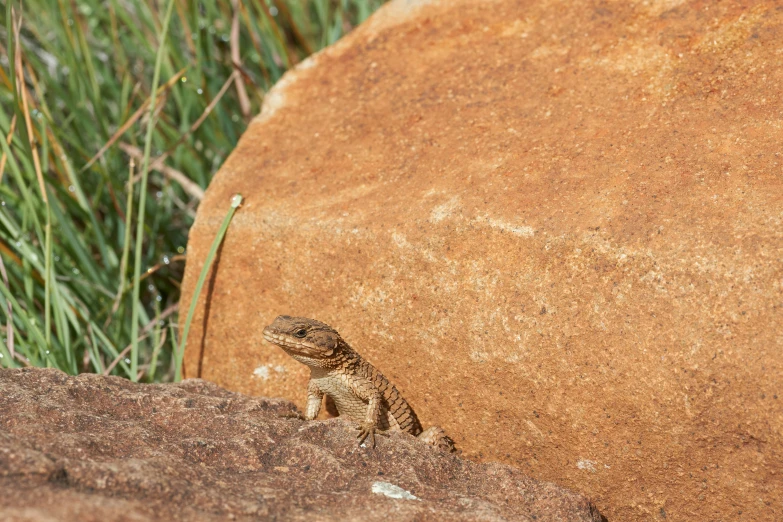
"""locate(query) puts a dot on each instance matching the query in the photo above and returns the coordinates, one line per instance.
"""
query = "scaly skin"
(360, 392)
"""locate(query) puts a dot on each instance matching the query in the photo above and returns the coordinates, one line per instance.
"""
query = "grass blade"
(143, 196)
(235, 202)
(81, 90)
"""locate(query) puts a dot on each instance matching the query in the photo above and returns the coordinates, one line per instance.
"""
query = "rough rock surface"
(94, 448)
(556, 226)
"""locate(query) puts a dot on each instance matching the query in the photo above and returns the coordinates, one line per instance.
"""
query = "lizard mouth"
(280, 339)
(273, 337)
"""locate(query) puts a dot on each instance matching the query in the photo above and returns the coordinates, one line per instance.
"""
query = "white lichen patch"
(519, 27)
(263, 371)
(441, 212)
(504, 226)
(519, 230)
(585, 464)
(275, 97)
(537, 432)
(392, 491)
(658, 7)
(369, 297)
(400, 240)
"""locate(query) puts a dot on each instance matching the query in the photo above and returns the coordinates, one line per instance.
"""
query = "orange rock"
(555, 226)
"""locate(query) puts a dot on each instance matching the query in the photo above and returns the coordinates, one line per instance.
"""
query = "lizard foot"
(368, 430)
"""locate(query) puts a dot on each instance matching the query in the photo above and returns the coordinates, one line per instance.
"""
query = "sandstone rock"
(555, 226)
(94, 448)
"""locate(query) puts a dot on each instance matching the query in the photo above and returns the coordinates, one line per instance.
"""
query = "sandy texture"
(94, 448)
(557, 227)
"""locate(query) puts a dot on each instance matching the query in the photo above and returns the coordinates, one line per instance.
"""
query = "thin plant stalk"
(235, 202)
(160, 340)
(126, 243)
(174, 345)
(143, 196)
(10, 317)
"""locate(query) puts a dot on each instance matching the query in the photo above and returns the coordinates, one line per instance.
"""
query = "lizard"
(360, 392)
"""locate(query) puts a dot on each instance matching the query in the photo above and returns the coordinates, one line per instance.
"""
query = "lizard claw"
(366, 430)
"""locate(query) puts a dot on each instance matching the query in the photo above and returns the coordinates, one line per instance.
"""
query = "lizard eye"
(301, 333)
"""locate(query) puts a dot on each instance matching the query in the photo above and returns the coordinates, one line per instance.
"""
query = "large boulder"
(556, 226)
(95, 448)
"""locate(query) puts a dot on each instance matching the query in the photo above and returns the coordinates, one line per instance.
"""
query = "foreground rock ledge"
(102, 448)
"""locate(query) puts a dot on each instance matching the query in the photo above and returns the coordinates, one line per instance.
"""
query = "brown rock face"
(92, 448)
(556, 226)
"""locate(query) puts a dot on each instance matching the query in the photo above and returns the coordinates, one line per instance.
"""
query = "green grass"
(113, 122)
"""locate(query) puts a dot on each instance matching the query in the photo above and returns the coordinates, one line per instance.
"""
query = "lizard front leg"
(314, 399)
(370, 423)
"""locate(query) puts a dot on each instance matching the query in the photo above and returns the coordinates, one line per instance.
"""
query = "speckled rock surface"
(556, 226)
(94, 448)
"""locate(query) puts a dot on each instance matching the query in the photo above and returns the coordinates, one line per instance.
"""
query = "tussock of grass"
(92, 140)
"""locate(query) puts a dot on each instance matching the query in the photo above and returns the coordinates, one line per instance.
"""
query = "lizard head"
(308, 341)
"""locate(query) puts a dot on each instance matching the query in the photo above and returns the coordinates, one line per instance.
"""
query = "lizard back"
(396, 405)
